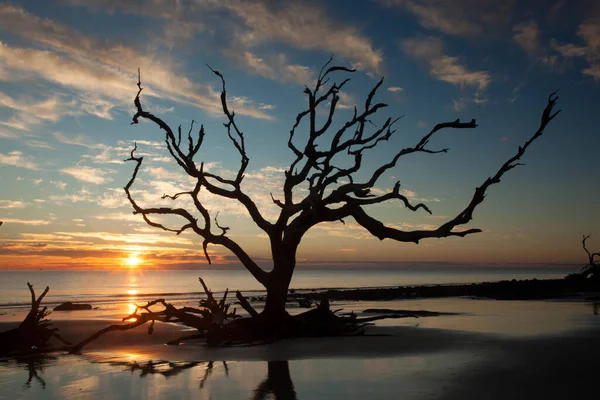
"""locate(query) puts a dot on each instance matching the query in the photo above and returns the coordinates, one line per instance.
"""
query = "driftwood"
(208, 319)
(34, 333)
(219, 327)
(592, 268)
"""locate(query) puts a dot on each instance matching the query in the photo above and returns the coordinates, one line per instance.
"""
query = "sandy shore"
(408, 362)
(381, 341)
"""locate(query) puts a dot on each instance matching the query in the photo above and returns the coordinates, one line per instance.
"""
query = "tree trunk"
(276, 298)
(274, 313)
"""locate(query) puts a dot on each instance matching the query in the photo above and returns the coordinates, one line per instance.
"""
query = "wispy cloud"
(395, 89)
(589, 50)
(13, 204)
(30, 112)
(77, 140)
(59, 184)
(466, 18)
(527, 36)
(274, 66)
(120, 217)
(443, 67)
(246, 25)
(17, 159)
(34, 222)
(93, 175)
(40, 144)
(101, 73)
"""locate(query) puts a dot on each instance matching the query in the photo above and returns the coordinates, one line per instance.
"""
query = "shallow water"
(105, 288)
(492, 349)
(122, 377)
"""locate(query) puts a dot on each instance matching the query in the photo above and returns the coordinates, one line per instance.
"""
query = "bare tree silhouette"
(333, 191)
(592, 268)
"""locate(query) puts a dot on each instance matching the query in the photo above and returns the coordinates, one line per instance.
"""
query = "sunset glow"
(133, 261)
(68, 75)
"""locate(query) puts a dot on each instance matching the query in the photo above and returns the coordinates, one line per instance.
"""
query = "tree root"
(34, 333)
(219, 327)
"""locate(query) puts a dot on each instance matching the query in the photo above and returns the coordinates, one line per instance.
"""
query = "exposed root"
(34, 333)
(219, 327)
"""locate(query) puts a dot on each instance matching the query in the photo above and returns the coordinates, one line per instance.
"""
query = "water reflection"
(34, 365)
(278, 382)
(418, 365)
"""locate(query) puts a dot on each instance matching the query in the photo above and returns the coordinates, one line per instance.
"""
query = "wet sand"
(410, 362)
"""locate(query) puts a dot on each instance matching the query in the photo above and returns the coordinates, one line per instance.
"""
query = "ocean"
(102, 288)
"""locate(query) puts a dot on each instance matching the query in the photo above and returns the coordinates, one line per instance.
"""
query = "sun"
(133, 261)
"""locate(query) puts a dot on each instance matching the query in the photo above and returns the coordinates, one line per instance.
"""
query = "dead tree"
(34, 333)
(334, 193)
(592, 268)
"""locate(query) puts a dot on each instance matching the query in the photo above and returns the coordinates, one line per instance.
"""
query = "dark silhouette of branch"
(592, 268)
(34, 333)
(326, 163)
(591, 256)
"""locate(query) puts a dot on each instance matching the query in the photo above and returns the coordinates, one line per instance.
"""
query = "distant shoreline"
(530, 289)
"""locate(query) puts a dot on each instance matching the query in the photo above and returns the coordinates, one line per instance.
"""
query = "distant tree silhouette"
(592, 268)
(333, 190)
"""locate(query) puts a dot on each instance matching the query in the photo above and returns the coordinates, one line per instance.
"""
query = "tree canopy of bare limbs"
(334, 193)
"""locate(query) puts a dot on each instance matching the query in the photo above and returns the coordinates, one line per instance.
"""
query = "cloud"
(245, 25)
(83, 196)
(444, 67)
(569, 50)
(30, 112)
(459, 104)
(395, 89)
(59, 184)
(527, 35)
(33, 222)
(77, 140)
(589, 32)
(17, 159)
(13, 204)
(100, 72)
(346, 101)
(131, 238)
(38, 144)
(517, 92)
(120, 217)
(303, 26)
(276, 67)
(93, 175)
(465, 18)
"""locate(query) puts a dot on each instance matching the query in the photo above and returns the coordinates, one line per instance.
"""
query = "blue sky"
(68, 71)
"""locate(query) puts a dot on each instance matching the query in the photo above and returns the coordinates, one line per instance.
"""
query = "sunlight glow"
(133, 260)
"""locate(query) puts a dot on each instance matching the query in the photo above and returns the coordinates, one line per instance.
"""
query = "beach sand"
(434, 359)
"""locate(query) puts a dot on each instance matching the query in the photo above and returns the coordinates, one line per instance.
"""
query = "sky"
(68, 74)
